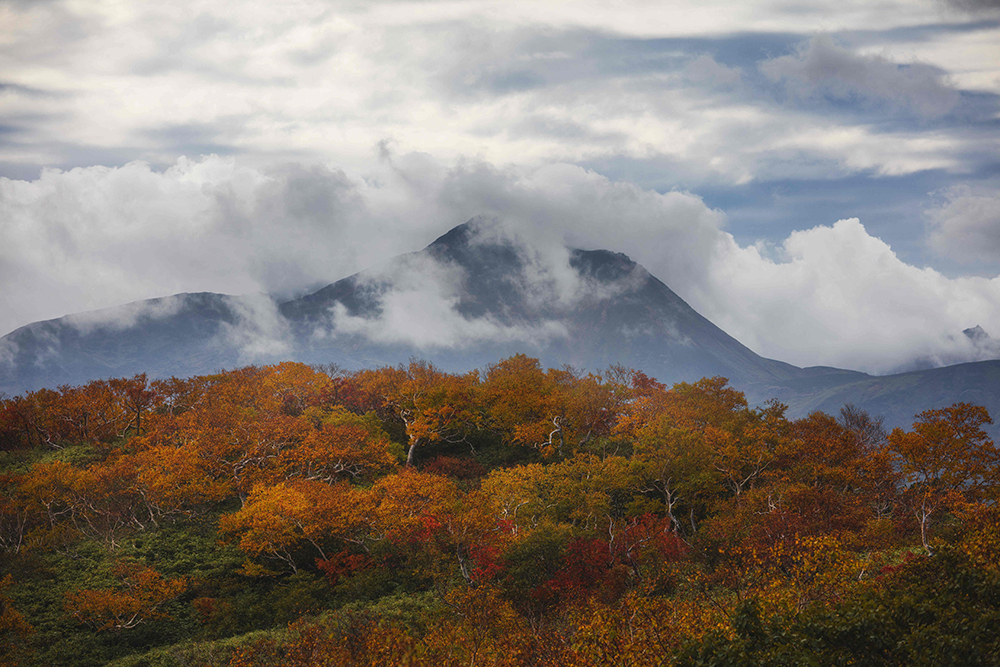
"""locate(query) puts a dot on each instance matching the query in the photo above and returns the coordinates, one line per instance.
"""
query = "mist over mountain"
(477, 294)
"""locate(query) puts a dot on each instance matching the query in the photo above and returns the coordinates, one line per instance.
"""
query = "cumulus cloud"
(829, 295)
(966, 225)
(835, 295)
(823, 70)
(563, 205)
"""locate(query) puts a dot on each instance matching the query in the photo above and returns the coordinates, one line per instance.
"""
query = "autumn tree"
(585, 491)
(557, 411)
(281, 521)
(674, 464)
(49, 490)
(17, 516)
(747, 445)
(138, 597)
(520, 398)
(238, 434)
(946, 456)
(677, 432)
(175, 396)
(295, 386)
(343, 445)
(134, 397)
(444, 530)
(433, 406)
(174, 482)
(30, 420)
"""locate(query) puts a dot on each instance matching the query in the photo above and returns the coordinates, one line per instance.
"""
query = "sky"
(821, 180)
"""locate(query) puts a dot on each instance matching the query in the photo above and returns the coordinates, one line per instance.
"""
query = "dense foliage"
(519, 516)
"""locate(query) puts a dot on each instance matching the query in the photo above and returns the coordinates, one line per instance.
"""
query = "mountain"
(184, 334)
(621, 314)
(898, 398)
(470, 298)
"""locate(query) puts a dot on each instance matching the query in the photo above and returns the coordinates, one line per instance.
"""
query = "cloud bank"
(831, 294)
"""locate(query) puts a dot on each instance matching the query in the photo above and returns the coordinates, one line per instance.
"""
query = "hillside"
(280, 515)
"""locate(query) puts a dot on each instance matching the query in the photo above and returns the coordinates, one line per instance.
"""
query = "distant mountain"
(179, 335)
(470, 298)
(896, 397)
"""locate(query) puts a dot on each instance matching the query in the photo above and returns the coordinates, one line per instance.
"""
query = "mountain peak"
(460, 235)
(976, 334)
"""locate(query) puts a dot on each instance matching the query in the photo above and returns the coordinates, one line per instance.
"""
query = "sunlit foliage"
(517, 516)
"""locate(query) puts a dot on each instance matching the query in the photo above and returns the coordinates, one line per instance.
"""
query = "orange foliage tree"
(946, 456)
(292, 520)
(556, 411)
(433, 406)
(139, 597)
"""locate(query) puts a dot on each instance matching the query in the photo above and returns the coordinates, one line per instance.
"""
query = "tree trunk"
(925, 516)
(410, 453)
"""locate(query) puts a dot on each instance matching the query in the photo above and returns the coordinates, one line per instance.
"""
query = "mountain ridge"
(589, 309)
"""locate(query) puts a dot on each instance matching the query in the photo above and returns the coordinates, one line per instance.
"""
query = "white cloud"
(966, 225)
(835, 296)
(428, 320)
(418, 304)
(96, 237)
(840, 297)
(259, 332)
(832, 295)
(510, 82)
(126, 316)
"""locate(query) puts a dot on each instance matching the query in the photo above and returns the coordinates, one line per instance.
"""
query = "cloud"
(563, 205)
(124, 317)
(429, 320)
(986, 7)
(8, 352)
(429, 302)
(824, 71)
(835, 295)
(706, 71)
(95, 237)
(830, 294)
(966, 225)
(259, 332)
(509, 82)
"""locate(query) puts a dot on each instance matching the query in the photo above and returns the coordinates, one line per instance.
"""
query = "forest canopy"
(301, 515)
